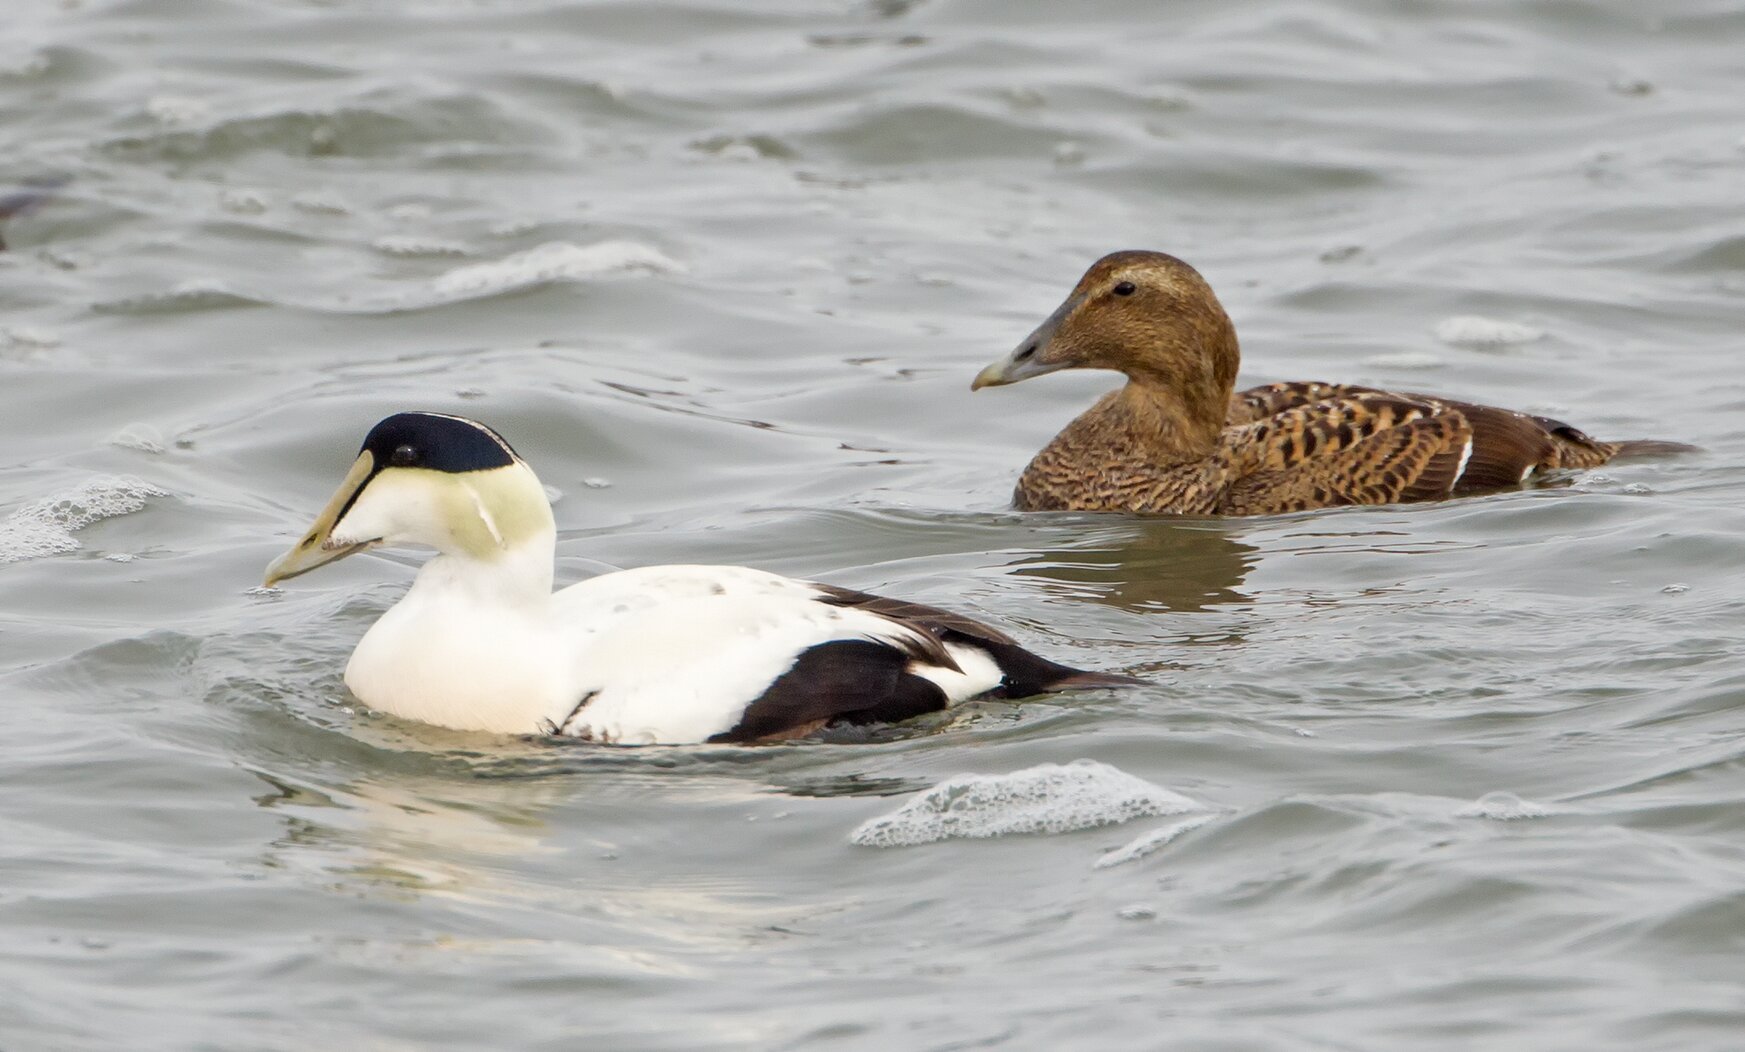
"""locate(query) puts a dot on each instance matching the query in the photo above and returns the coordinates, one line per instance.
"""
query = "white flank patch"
(980, 673)
(1470, 330)
(1049, 798)
(46, 527)
(555, 261)
(685, 669)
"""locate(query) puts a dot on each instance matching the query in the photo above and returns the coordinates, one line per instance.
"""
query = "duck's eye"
(404, 456)
(1126, 288)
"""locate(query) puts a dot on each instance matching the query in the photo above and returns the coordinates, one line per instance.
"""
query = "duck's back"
(727, 653)
(1297, 446)
(1330, 444)
(1509, 446)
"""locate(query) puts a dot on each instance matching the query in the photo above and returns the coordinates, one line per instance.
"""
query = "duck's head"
(427, 479)
(1145, 314)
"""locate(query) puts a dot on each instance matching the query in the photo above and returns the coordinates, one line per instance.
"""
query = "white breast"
(463, 665)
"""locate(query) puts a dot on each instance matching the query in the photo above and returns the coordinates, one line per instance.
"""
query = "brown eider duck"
(1178, 437)
(663, 655)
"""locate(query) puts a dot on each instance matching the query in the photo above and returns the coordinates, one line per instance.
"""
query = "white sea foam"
(243, 200)
(320, 202)
(1404, 360)
(408, 245)
(193, 294)
(1049, 798)
(46, 527)
(1503, 807)
(28, 337)
(143, 437)
(1145, 843)
(177, 111)
(1470, 330)
(553, 261)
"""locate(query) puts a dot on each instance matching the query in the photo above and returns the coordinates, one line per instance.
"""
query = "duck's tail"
(1652, 447)
(1573, 448)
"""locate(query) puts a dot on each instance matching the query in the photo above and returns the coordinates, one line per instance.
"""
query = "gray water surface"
(1469, 775)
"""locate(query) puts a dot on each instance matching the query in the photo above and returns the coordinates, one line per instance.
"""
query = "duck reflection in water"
(1149, 564)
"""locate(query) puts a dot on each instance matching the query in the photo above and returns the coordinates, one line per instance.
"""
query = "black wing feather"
(850, 680)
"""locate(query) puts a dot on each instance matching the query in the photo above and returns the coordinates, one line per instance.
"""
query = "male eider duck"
(1178, 438)
(657, 655)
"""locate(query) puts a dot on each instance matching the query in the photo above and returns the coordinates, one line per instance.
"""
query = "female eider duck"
(657, 655)
(1178, 437)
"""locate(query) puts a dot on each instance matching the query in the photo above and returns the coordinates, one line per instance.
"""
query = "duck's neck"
(1162, 424)
(1177, 397)
(519, 576)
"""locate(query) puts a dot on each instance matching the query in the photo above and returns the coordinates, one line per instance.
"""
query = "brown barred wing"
(1369, 448)
(1508, 446)
(1258, 403)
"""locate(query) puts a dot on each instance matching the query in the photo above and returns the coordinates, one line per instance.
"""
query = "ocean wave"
(1048, 798)
(46, 527)
(1469, 330)
(552, 262)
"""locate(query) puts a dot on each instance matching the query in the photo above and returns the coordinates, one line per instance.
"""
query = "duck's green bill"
(317, 547)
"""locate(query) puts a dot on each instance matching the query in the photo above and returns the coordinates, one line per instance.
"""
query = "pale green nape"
(485, 513)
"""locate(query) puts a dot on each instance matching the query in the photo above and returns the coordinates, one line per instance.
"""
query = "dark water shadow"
(1176, 565)
(28, 197)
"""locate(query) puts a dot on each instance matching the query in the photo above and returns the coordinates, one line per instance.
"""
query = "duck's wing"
(728, 654)
(1508, 446)
(1368, 448)
(940, 623)
(1258, 403)
(1022, 673)
(697, 668)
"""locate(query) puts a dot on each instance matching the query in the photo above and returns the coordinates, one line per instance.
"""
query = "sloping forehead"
(442, 442)
(1154, 265)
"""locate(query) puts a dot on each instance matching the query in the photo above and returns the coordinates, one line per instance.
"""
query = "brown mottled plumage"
(1179, 438)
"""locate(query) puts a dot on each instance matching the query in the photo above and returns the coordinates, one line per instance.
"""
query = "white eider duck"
(656, 655)
(1179, 438)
